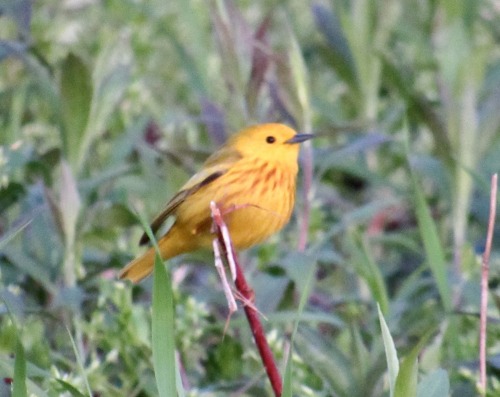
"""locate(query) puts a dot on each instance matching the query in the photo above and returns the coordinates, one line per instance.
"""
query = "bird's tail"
(174, 243)
(140, 267)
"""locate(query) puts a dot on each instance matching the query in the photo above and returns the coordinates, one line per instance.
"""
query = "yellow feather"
(251, 178)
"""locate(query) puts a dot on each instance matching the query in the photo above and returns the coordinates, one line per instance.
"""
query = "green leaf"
(80, 363)
(76, 96)
(390, 352)
(111, 78)
(368, 269)
(19, 389)
(10, 195)
(195, 77)
(435, 384)
(419, 107)
(287, 379)
(26, 264)
(163, 331)
(326, 359)
(406, 382)
(162, 328)
(261, 60)
(339, 53)
(285, 316)
(11, 234)
(300, 79)
(306, 289)
(70, 388)
(432, 244)
(224, 361)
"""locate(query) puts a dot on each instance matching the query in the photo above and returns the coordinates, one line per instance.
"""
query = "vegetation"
(106, 108)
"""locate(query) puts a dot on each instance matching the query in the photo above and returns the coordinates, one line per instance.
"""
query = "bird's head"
(270, 142)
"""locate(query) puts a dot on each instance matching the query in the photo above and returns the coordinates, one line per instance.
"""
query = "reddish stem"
(258, 332)
(248, 296)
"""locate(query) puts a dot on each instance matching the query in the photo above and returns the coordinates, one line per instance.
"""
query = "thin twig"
(484, 287)
(219, 265)
(251, 312)
(258, 332)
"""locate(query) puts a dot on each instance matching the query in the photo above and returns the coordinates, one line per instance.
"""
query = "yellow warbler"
(252, 180)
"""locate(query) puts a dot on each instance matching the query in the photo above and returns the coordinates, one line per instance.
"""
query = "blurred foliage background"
(107, 107)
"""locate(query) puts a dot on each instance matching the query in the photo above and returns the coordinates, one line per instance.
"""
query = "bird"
(252, 180)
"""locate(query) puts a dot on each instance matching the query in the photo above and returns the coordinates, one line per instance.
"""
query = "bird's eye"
(270, 139)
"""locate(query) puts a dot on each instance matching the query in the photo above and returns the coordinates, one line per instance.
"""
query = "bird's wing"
(215, 166)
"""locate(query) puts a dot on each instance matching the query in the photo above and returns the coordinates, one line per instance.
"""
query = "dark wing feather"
(176, 201)
(214, 167)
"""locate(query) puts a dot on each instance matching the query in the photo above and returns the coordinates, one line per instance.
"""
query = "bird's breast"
(257, 202)
(256, 199)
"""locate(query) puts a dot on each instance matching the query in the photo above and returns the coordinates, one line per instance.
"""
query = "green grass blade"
(178, 379)
(287, 378)
(80, 363)
(13, 233)
(300, 78)
(339, 54)
(306, 291)
(367, 268)
(428, 231)
(163, 331)
(406, 382)
(325, 356)
(76, 96)
(19, 389)
(390, 352)
(70, 388)
(432, 245)
(110, 78)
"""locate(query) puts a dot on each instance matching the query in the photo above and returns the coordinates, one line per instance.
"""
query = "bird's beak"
(298, 138)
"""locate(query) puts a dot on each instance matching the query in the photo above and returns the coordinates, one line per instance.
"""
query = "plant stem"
(248, 297)
(257, 330)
